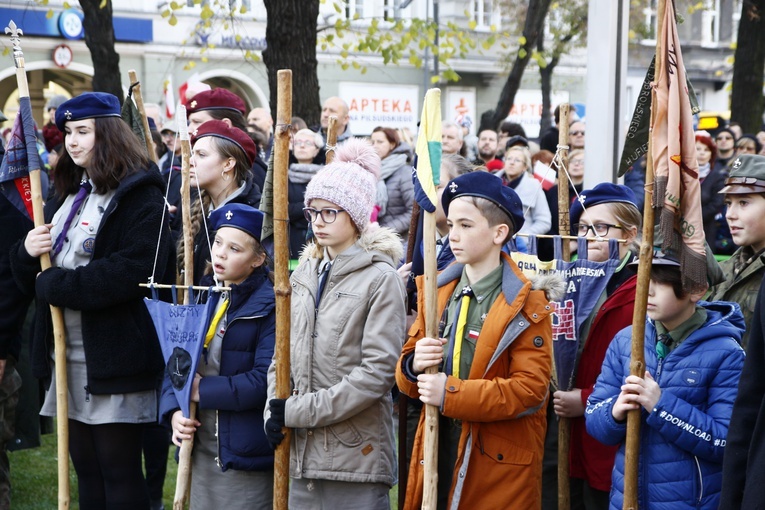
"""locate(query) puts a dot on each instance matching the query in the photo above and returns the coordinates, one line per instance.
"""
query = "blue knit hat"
(603, 193)
(488, 186)
(88, 105)
(244, 217)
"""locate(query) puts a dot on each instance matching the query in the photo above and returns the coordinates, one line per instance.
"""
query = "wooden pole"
(564, 228)
(637, 363)
(183, 479)
(282, 287)
(57, 315)
(331, 139)
(139, 104)
(430, 487)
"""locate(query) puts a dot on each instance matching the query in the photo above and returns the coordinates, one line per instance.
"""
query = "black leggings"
(107, 459)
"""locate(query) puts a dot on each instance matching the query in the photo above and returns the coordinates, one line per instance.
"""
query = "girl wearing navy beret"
(101, 232)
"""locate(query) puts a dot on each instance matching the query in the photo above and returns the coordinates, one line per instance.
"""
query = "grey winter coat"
(398, 211)
(343, 363)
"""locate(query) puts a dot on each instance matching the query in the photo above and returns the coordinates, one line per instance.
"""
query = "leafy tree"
(568, 28)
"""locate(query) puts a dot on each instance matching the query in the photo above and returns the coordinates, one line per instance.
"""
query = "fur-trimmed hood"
(551, 283)
(380, 242)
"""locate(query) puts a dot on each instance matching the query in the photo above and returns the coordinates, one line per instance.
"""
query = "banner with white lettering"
(376, 104)
(585, 281)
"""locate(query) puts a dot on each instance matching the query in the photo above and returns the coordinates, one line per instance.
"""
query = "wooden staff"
(430, 287)
(564, 228)
(183, 479)
(139, 104)
(57, 315)
(637, 363)
(282, 287)
(430, 486)
(331, 139)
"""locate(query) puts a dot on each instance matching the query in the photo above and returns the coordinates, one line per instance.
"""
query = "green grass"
(34, 479)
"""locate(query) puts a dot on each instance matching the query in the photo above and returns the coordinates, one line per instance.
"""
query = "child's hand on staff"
(431, 388)
(636, 392)
(183, 428)
(39, 240)
(568, 404)
(195, 387)
(404, 272)
(428, 352)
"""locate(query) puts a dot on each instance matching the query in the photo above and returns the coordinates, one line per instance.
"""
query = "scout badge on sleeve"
(181, 331)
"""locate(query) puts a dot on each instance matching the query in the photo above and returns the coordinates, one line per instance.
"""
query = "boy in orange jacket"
(494, 360)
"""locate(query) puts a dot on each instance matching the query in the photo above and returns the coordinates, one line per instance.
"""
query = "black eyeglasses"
(598, 229)
(327, 215)
(576, 133)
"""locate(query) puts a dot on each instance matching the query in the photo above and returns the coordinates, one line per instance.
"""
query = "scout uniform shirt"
(485, 291)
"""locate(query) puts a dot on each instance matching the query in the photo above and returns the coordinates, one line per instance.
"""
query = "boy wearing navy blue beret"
(494, 359)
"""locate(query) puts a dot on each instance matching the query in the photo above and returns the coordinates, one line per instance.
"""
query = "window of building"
(710, 22)
(651, 19)
(354, 8)
(484, 13)
(737, 7)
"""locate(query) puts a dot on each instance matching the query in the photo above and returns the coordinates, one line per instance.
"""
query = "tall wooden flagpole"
(282, 287)
(57, 315)
(183, 479)
(139, 105)
(564, 229)
(637, 363)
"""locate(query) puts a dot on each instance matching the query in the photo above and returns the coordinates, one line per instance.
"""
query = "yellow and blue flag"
(427, 166)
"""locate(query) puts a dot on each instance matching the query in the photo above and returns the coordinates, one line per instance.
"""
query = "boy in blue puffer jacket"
(693, 362)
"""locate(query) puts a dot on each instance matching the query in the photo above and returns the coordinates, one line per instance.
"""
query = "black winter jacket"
(122, 353)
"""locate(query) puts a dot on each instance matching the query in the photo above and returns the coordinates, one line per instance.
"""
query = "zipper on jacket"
(701, 480)
(217, 441)
(87, 393)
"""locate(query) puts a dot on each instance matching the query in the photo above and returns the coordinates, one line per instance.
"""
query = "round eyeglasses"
(327, 215)
(598, 229)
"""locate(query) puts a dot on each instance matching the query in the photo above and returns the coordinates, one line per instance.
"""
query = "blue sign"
(68, 24)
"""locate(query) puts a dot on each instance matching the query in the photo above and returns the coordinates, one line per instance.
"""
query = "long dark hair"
(117, 153)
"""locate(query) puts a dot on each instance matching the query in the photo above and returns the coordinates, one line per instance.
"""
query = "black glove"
(275, 422)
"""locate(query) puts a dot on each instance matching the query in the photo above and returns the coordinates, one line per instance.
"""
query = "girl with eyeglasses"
(610, 212)
(347, 329)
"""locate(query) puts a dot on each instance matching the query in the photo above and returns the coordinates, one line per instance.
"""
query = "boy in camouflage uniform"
(745, 200)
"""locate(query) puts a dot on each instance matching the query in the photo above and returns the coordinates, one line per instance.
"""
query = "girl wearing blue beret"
(232, 464)
(101, 232)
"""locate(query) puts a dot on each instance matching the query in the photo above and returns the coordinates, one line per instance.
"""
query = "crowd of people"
(354, 294)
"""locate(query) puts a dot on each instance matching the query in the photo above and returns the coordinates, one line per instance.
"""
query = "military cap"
(603, 193)
(241, 216)
(747, 175)
(220, 129)
(89, 105)
(217, 99)
(488, 186)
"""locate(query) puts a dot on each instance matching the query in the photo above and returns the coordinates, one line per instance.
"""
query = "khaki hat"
(747, 175)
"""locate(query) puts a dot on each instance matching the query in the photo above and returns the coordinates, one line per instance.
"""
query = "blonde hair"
(524, 153)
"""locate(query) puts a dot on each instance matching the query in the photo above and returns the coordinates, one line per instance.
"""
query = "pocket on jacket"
(346, 433)
(503, 451)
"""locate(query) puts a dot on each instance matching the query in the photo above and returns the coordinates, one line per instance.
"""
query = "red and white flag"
(169, 96)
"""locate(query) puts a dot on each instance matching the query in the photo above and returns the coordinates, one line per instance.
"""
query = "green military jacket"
(744, 272)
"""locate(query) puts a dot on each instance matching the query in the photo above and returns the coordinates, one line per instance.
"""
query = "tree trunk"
(545, 78)
(532, 28)
(291, 44)
(99, 38)
(747, 101)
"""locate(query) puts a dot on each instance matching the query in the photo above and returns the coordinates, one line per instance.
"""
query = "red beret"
(222, 130)
(217, 99)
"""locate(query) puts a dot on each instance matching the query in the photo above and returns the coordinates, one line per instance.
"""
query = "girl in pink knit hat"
(347, 331)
